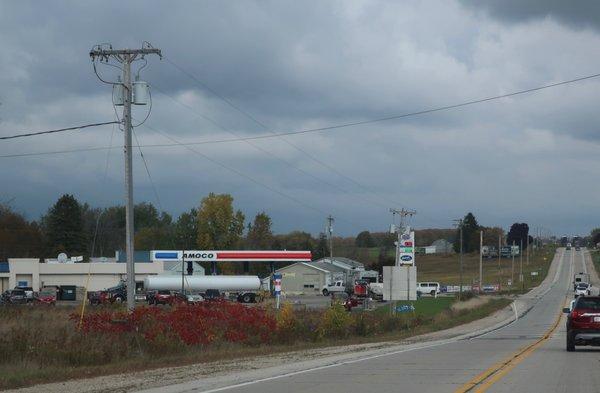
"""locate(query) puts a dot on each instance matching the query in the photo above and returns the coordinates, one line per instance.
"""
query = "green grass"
(425, 306)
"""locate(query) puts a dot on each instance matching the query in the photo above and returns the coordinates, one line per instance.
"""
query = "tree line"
(76, 228)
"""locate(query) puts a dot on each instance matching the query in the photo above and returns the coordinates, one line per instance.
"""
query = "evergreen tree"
(64, 227)
(470, 235)
(186, 230)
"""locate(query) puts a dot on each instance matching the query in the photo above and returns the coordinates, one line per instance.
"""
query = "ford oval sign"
(406, 258)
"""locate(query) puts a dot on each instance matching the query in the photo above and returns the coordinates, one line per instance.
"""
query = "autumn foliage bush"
(200, 324)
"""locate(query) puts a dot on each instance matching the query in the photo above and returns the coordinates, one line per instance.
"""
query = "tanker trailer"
(244, 286)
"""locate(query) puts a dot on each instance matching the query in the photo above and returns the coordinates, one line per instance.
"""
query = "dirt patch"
(471, 303)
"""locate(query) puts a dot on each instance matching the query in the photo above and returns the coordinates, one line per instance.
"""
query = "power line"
(57, 130)
(103, 184)
(244, 175)
(264, 126)
(313, 130)
(270, 153)
(148, 172)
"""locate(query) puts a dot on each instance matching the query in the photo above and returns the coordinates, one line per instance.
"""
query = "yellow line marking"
(483, 381)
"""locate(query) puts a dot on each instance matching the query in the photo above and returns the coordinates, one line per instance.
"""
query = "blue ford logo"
(406, 258)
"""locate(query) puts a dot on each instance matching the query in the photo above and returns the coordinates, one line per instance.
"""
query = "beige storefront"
(30, 272)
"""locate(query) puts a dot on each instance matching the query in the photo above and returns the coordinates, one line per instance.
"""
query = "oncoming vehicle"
(583, 289)
(583, 322)
(430, 288)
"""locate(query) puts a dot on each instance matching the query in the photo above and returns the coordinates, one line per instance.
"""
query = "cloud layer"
(296, 65)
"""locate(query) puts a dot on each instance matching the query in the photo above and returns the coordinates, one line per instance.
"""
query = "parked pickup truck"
(375, 289)
(334, 287)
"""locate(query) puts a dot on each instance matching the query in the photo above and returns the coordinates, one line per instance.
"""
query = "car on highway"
(583, 322)
(583, 289)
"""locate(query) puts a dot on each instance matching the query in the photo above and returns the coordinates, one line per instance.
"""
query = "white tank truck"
(245, 287)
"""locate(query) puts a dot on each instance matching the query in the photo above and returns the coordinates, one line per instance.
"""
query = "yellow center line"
(483, 381)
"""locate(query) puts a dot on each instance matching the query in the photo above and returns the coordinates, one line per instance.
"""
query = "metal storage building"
(308, 277)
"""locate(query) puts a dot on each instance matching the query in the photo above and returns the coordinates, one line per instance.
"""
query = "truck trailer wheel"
(325, 292)
(119, 299)
(248, 298)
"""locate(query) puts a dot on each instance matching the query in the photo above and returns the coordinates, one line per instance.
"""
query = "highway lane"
(447, 367)
(551, 368)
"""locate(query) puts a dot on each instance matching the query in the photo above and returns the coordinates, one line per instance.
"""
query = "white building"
(31, 272)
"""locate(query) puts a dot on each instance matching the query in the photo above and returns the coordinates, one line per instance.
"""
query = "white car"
(430, 288)
(194, 298)
(583, 289)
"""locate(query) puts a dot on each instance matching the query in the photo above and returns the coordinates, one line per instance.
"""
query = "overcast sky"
(294, 65)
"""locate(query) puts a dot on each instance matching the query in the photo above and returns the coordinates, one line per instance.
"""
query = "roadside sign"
(406, 248)
(277, 282)
(405, 308)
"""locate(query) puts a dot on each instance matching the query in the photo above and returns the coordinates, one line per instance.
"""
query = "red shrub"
(192, 324)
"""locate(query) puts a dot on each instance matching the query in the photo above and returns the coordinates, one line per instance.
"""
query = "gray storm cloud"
(296, 65)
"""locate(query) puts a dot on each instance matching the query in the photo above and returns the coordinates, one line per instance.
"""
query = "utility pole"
(527, 260)
(459, 222)
(499, 247)
(330, 221)
(403, 213)
(182, 272)
(521, 264)
(480, 261)
(126, 57)
(512, 268)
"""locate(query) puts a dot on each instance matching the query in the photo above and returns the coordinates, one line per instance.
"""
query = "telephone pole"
(126, 57)
(330, 221)
(403, 213)
(480, 261)
(459, 223)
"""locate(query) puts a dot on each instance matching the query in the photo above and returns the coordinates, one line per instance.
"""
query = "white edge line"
(437, 344)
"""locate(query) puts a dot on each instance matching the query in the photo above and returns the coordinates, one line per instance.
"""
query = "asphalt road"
(454, 365)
